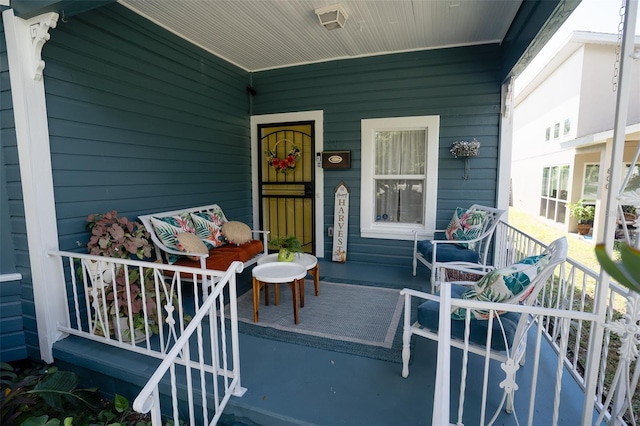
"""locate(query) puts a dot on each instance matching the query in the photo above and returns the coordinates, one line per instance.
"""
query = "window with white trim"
(399, 176)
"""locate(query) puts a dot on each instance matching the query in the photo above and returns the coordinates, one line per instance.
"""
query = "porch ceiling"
(264, 34)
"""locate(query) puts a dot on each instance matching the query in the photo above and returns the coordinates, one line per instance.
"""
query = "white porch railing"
(178, 316)
(575, 292)
(203, 376)
(565, 316)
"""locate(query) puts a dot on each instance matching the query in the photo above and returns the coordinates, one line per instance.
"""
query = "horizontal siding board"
(8, 354)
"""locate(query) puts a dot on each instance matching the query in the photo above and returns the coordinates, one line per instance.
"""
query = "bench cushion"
(448, 252)
(220, 258)
(428, 313)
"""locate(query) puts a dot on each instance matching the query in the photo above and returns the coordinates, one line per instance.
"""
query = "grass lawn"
(580, 250)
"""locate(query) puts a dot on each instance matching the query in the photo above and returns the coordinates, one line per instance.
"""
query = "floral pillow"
(509, 285)
(167, 229)
(466, 225)
(208, 226)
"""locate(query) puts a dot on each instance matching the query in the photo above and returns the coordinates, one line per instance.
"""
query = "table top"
(279, 272)
(304, 259)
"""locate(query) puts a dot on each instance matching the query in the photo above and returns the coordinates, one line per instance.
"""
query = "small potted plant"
(287, 247)
(585, 214)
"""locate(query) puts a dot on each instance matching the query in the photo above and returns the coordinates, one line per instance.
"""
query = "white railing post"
(443, 365)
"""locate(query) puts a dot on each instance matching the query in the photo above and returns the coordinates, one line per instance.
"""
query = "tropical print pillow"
(208, 226)
(466, 225)
(507, 285)
(167, 229)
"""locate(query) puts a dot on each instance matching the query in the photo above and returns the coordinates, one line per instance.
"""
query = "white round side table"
(277, 273)
(308, 261)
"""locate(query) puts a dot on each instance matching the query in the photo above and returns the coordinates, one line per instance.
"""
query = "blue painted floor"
(291, 384)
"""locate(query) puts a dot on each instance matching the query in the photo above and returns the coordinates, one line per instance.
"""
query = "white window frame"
(369, 228)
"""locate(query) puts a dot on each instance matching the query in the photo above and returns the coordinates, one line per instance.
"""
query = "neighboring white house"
(563, 124)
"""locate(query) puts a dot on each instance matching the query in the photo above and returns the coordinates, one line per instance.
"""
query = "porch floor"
(290, 384)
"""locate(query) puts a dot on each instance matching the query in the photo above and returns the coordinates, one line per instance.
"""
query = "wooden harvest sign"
(340, 223)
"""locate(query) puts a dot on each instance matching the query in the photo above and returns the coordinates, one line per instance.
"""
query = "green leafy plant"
(35, 395)
(287, 246)
(114, 236)
(38, 395)
(117, 303)
(627, 270)
(584, 213)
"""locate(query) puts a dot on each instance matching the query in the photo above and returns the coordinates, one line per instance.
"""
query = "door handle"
(308, 189)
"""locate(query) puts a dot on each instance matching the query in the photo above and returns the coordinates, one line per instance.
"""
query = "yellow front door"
(287, 181)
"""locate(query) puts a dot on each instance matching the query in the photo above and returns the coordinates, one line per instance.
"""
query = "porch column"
(25, 39)
(610, 196)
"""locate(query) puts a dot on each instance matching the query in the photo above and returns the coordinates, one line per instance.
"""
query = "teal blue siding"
(141, 121)
(461, 85)
(13, 249)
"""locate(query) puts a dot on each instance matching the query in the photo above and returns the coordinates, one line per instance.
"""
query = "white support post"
(25, 39)
(619, 131)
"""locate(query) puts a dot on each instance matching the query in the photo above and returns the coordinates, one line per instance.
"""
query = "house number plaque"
(340, 223)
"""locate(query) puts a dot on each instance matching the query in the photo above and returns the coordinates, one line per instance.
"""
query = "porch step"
(113, 370)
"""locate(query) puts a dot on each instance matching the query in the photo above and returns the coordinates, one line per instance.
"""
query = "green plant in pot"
(585, 214)
(287, 247)
(116, 292)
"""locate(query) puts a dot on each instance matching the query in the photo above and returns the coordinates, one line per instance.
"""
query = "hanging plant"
(465, 148)
(286, 163)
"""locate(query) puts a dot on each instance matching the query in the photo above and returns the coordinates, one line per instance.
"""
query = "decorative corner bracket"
(39, 32)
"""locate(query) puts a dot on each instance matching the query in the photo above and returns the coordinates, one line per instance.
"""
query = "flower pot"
(285, 255)
(584, 228)
(125, 331)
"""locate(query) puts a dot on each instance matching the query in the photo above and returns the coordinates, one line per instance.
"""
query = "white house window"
(547, 134)
(399, 176)
(567, 126)
(555, 187)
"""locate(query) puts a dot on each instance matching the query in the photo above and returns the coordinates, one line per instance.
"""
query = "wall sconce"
(465, 149)
(332, 17)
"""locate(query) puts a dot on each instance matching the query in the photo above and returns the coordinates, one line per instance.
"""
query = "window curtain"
(401, 154)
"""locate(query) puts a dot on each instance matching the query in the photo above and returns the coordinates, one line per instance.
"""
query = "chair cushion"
(208, 226)
(466, 225)
(428, 313)
(448, 252)
(506, 285)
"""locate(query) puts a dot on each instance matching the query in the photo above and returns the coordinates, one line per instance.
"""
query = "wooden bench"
(218, 258)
